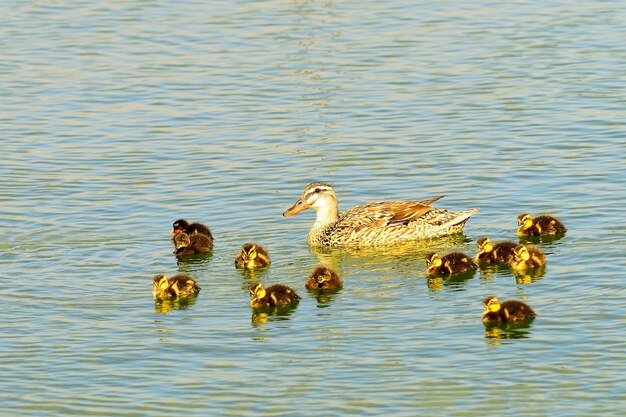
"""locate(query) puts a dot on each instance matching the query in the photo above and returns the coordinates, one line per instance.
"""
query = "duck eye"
(317, 190)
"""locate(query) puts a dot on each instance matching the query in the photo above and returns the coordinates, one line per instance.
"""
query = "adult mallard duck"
(182, 225)
(185, 244)
(527, 257)
(323, 278)
(385, 222)
(274, 295)
(488, 252)
(181, 285)
(252, 255)
(452, 263)
(539, 226)
(508, 311)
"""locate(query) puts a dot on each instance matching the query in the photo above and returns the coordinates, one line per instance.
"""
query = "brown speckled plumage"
(385, 222)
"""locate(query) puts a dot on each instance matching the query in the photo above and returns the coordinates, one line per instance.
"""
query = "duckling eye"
(317, 190)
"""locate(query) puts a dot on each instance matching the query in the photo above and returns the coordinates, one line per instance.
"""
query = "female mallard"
(182, 225)
(527, 257)
(185, 244)
(252, 255)
(323, 278)
(181, 285)
(488, 252)
(506, 312)
(385, 222)
(539, 226)
(274, 295)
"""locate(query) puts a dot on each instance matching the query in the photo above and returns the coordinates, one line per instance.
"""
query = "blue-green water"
(120, 117)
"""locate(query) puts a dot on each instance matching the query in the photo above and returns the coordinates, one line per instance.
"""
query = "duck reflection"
(528, 276)
(193, 262)
(263, 315)
(164, 306)
(454, 282)
(495, 332)
(401, 254)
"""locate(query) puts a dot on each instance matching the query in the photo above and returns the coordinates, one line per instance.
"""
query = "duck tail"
(460, 219)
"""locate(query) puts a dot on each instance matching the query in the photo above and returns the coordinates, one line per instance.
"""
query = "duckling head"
(257, 291)
(521, 253)
(181, 240)
(524, 221)
(319, 195)
(492, 304)
(433, 260)
(484, 245)
(179, 226)
(322, 274)
(160, 285)
(248, 252)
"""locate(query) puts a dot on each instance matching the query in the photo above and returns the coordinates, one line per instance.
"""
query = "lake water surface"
(119, 117)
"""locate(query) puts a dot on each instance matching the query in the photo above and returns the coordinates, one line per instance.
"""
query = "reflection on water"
(261, 316)
(495, 332)
(545, 240)
(167, 305)
(193, 262)
(411, 253)
(453, 282)
(528, 276)
(324, 298)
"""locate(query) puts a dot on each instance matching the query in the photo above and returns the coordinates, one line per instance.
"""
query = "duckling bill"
(274, 295)
(251, 256)
(539, 226)
(323, 278)
(177, 286)
(452, 263)
(508, 311)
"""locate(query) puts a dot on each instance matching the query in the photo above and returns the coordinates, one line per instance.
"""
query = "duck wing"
(384, 214)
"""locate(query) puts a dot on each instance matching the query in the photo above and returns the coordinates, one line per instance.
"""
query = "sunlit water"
(120, 117)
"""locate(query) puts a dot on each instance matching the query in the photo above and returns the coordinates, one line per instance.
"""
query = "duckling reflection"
(164, 306)
(528, 276)
(506, 330)
(261, 316)
(451, 282)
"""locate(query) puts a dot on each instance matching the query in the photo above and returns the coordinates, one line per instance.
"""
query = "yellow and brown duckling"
(527, 257)
(182, 225)
(508, 311)
(539, 226)
(452, 263)
(251, 256)
(274, 295)
(177, 286)
(323, 278)
(185, 244)
(489, 252)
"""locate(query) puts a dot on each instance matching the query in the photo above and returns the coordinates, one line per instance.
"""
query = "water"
(120, 117)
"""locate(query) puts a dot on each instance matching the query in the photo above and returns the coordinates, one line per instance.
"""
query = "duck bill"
(296, 208)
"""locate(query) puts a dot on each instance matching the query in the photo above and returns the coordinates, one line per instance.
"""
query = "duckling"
(488, 252)
(452, 263)
(527, 256)
(539, 226)
(506, 312)
(252, 256)
(185, 244)
(274, 295)
(182, 225)
(181, 285)
(323, 278)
